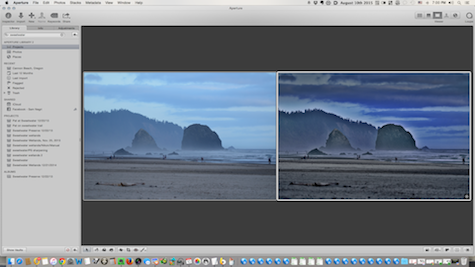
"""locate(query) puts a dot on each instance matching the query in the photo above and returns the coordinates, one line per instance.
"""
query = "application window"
(236, 132)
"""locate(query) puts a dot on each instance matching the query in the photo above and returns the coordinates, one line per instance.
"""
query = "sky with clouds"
(239, 107)
(433, 107)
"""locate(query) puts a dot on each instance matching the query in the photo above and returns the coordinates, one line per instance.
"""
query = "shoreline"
(174, 158)
(322, 160)
(158, 161)
(373, 160)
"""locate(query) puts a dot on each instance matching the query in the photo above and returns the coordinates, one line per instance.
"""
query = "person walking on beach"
(463, 161)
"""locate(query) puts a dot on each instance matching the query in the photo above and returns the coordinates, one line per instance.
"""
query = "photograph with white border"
(374, 136)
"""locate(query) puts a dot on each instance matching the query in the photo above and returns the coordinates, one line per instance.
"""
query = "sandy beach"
(158, 179)
(370, 179)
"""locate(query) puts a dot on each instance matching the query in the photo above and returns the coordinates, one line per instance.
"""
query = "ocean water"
(254, 156)
(451, 156)
(454, 156)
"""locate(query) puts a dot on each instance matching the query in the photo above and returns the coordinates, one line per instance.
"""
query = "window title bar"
(239, 3)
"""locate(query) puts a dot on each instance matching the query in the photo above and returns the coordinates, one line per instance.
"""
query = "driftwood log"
(313, 184)
(120, 184)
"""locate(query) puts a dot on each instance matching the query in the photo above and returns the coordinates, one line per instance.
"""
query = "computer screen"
(234, 133)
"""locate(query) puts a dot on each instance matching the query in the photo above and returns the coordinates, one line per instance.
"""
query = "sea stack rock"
(122, 152)
(200, 137)
(143, 141)
(338, 141)
(316, 152)
(394, 137)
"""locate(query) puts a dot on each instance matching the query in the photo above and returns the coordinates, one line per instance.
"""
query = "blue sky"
(239, 107)
(433, 107)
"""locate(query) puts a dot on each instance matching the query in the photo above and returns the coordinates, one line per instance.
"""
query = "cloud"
(401, 119)
(109, 78)
(304, 79)
(286, 77)
(427, 109)
(398, 82)
(238, 109)
(456, 136)
(427, 80)
(397, 91)
(434, 79)
(234, 79)
(92, 77)
(211, 91)
(443, 130)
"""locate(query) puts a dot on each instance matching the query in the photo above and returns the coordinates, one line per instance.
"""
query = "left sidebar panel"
(40, 138)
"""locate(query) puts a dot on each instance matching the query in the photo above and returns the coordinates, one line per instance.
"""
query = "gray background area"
(277, 49)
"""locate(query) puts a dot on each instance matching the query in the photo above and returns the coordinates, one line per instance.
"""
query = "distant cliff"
(311, 128)
(110, 130)
(200, 137)
(394, 137)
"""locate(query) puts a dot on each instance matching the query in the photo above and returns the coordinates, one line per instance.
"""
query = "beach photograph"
(179, 136)
(374, 136)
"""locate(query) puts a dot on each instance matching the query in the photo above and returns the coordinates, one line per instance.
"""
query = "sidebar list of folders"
(41, 125)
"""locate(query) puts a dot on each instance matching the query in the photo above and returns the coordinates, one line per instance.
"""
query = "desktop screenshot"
(234, 133)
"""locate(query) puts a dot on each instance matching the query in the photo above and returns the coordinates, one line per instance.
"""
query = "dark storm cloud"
(381, 96)
(287, 77)
(415, 78)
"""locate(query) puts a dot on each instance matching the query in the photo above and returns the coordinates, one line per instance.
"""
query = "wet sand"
(177, 180)
(370, 179)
